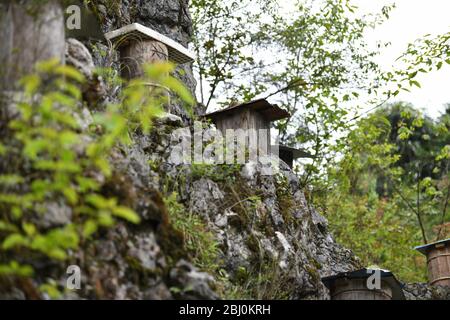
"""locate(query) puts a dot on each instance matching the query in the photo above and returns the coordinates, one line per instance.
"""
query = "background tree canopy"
(380, 177)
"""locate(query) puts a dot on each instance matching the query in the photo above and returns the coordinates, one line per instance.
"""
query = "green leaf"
(47, 66)
(34, 147)
(10, 179)
(87, 184)
(16, 212)
(14, 268)
(30, 83)
(127, 214)
(89, 228)
(29, 228)
(15, 240)
(105, 219)
(5, 226)
(71, 195)
(158, 70)
(178, 87)
(51, 290)
(97, 201)
(69, 72)
(103, 165)
(57, 253)
(415, 83)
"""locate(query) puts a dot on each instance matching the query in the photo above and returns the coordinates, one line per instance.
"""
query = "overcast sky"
(410, 20)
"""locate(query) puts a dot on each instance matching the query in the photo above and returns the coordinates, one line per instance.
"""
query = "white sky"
(410, 20)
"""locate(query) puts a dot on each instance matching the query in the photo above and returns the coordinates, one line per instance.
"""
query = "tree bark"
(137, 53)
(28, 33)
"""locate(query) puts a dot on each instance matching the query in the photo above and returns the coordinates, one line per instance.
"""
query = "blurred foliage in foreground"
(53, 153)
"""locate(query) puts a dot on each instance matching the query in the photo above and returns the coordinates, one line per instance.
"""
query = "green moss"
(316, 264)
(154, 165)
(224, 173)
(170, 238)
(112, 7)
(252, 243)
(263, 281)
(285, 199)
(313, 273)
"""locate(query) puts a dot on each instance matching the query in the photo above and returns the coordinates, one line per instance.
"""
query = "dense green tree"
(389, 190)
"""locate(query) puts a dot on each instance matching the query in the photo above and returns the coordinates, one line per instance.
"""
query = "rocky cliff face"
(262, 224)
(225, 232)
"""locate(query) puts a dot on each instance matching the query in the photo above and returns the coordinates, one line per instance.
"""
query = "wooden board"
(439, 265)
(251, 122)
(356, 289)
(270, 112)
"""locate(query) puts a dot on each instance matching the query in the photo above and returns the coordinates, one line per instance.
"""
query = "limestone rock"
(145, 251)
(424, 291)
(78, 56)
(191, 283)
(54, 215)
(204, 196)
(169, 119)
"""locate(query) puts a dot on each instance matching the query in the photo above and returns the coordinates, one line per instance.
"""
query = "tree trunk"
(29, 32)
(137, 53)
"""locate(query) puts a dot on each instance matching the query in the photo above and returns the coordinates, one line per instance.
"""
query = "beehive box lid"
(271, 112)
(177, 53)
(296, 153)
(386, 275)
(427, 247)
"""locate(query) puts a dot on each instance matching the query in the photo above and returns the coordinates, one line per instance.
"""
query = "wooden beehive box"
(136, 32)
(438, 262)
(356, 289)
(251, 116)
(353, 286)
(139, 44)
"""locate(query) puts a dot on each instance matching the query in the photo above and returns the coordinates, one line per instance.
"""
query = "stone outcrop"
(423, 291)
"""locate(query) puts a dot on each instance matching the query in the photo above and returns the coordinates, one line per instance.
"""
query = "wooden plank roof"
(296, 153)
(425, 248)
(271, 112)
